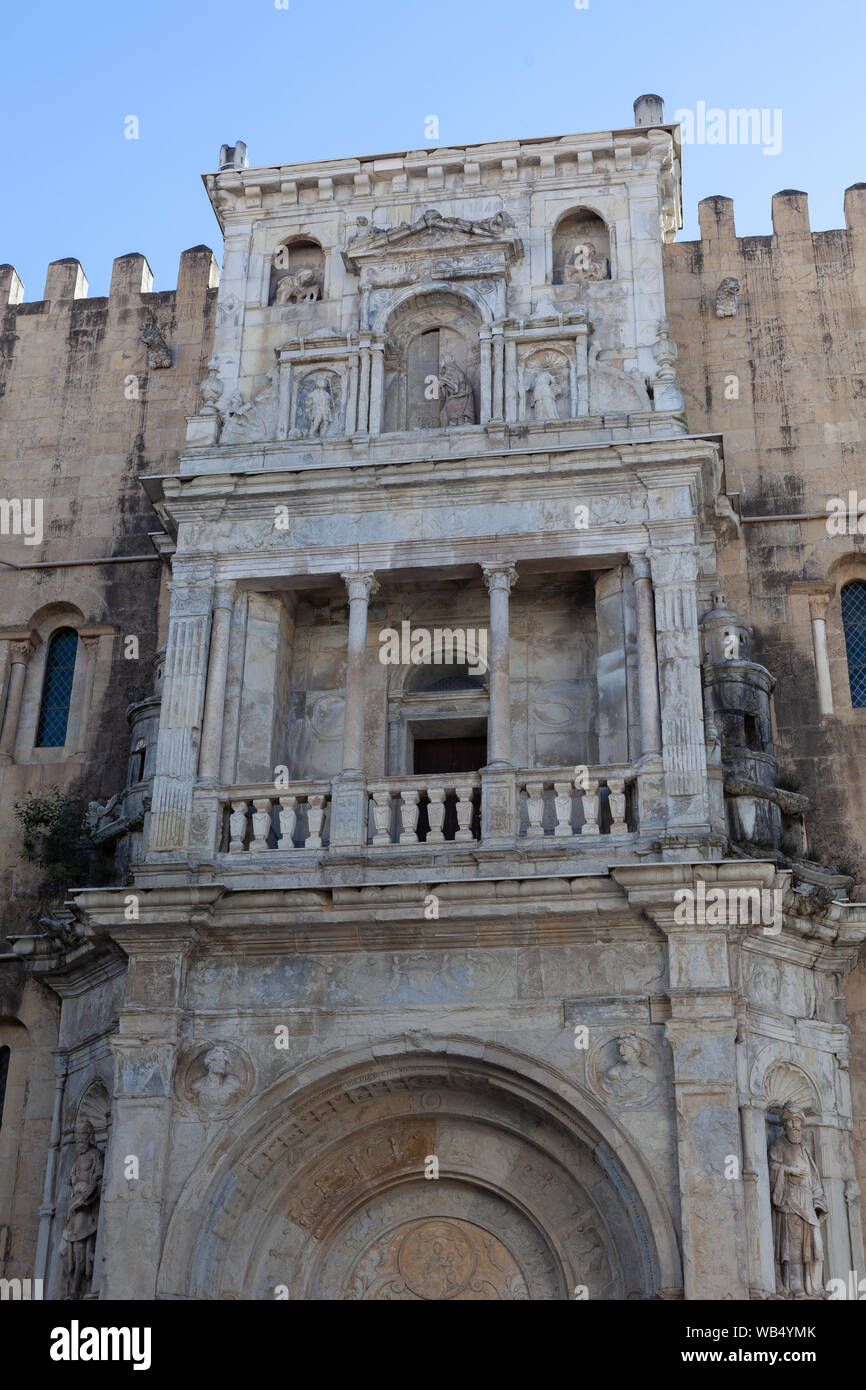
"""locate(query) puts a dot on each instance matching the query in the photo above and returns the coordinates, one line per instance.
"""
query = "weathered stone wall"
(82, 419)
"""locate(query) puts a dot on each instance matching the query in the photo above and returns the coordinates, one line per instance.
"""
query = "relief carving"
(215, 1079)
(624, 1070)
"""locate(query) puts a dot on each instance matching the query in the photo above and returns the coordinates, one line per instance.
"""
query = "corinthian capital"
(360, 583)
(499, 574)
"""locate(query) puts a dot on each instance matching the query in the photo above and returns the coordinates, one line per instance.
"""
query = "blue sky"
(328, 78)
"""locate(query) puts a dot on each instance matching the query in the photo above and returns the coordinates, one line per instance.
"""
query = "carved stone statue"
(586, 264)
(219, 1086)
(253, 421)
(543, 394)
(455, 391)
(799, 1205)
(299, 288)
(628, 1077)
(158, 350)
(320, 407)
(78, 1241)
(727, 302)
(211, 389)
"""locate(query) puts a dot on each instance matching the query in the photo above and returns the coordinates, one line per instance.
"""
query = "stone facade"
(462, 942)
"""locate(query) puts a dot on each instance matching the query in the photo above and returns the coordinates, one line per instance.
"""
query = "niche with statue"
(432, 364)
(581, 249)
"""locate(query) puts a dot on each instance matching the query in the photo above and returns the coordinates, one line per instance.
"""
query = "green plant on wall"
(53, 837)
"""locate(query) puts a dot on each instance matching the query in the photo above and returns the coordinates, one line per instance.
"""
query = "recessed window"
(57, 689)
(854, 623)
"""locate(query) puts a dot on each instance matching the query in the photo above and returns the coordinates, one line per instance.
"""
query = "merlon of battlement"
(131, 277)
(790, 212)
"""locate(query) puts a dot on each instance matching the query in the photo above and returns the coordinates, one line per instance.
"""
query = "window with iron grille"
(854, 623)
(57, 689)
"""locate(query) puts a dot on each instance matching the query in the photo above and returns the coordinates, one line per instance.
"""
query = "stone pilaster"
(135, 1210)
(702, 1033)
(181, 713)
(214, 709)
(21, 648)
(674, 578)
(499, 577)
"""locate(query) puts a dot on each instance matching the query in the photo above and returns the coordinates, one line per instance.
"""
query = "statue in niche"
(297, 288)
(585, 264)
(78, 1241)
(219, 1086)
(628, 1078)
(320, 407)
(455, 390)
(799, 1205)
(253, 421)
(727, 301)
(543, 395)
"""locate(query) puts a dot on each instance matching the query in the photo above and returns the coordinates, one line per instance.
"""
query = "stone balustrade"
(585, 801)
(430, 810)
(552, 804)
(269, 817)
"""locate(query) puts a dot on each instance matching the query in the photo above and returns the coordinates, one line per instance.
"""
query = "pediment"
(434, 232)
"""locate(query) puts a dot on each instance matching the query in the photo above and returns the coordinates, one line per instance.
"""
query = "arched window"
(854, 623)
(57, 689)
(5, 1054)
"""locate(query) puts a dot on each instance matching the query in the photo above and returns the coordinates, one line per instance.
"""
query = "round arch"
(320, 1186)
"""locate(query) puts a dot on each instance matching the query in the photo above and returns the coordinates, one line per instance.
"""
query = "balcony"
(552, 809)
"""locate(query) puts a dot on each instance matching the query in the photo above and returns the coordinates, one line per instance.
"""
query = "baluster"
(315, 818)
(464, 811)
(616, 788)
(590, 809)
(435, 814)
(563, 804)
(237, 825)
(261, 822)
(409, 816)
(382, 817)
(535, 809)
(288, 820)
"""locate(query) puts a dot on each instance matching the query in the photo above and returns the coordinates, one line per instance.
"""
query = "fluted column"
(19, 655)
(498, 407)
(647, 661)
(85, 732)
(217, 671)
(486, 377)
(364, 389)
(360, 584)
(499, 576)
(818, 613)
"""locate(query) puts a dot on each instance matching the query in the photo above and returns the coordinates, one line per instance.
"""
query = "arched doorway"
(420, 1174)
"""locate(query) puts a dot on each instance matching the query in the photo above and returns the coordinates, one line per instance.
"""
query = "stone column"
(647, 668)
(349, 795)
(364, 389)
(84, 732)
(284, 400)
(377, 386)
(510, 379)
(497, 406)
(19, 654)
(181, 711)
(818, 612)
(210, 752)
(499, 576)
(352, 396)
(674, 575)
(48, 1207)
(486, 377)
